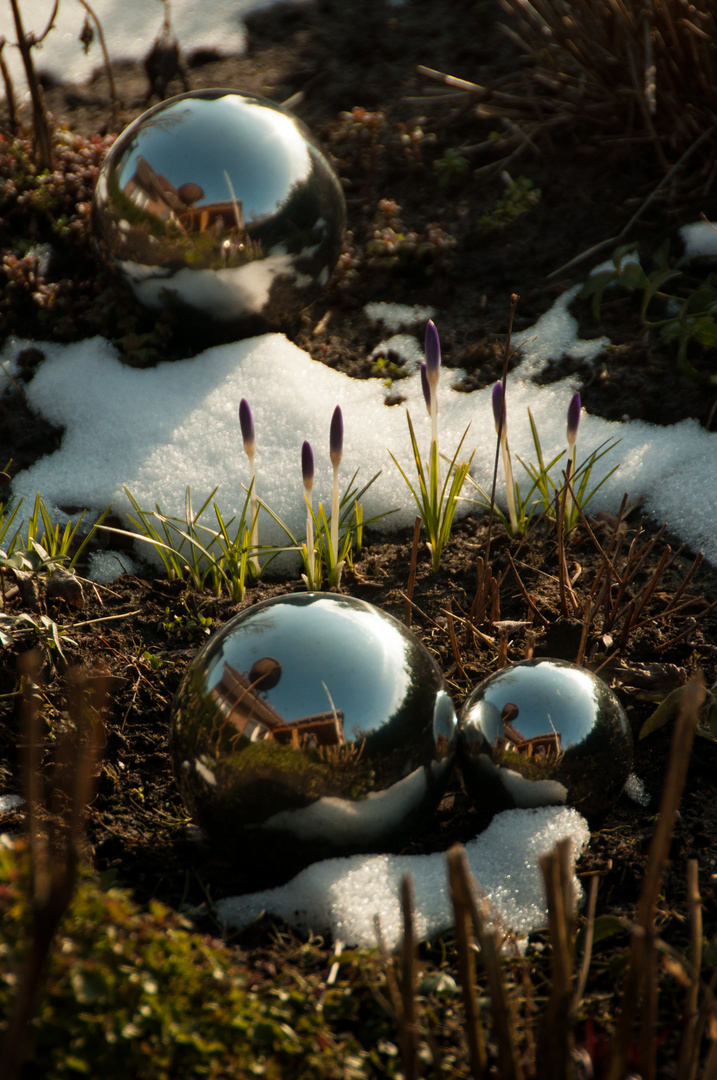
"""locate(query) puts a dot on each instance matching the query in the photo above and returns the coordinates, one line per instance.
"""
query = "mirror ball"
(312, 725)
(544, 732)
(221, 206)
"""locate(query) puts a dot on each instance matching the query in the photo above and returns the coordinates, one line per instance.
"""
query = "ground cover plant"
(130, 978)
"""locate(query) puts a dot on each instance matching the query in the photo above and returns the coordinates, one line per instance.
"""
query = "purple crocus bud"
(246, 423)
(573, 418)
(433, 354)
(336, 437)
(307, 466)
(498, 406)
(425, 385)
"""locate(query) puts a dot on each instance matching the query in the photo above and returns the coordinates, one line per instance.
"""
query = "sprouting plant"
(500, 417)
(44, 629)
(319, 550)
(450, 167)
(436, 503)
(520, 509)
(8, 513)
(572, 436)
(246, 422)
(336, 447)
(520, 196)
(551, 494)
(213, 558)
(312, 564)
(689, 309)
(43, 545)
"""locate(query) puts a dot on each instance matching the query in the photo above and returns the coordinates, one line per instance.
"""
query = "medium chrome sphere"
(312, 725)
(544, 732)
(220, 205)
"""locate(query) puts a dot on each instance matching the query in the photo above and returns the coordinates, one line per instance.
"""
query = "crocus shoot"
(500, 417)
(246, 423)
(309, 553)
(436, 504)
(336, 446)
(572, 435)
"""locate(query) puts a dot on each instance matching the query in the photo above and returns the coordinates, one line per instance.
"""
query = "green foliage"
(545, 492)
(437, 509)
(551, 495)
(452, 166)
(135, 993)
(351, 526)
(688, 310)
(210, 558)
(520, 196)
(15, 629)
(40, 544)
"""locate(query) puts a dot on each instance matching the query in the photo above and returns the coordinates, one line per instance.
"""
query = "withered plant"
(621, 69)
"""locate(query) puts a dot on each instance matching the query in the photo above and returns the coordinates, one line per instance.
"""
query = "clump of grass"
(643, 70)
(436, 501)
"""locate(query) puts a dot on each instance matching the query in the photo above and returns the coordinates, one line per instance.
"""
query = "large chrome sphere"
(312, 725)
(221, 206)
(544, 732)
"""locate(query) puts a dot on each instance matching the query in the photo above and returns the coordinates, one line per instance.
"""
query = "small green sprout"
(520, 196)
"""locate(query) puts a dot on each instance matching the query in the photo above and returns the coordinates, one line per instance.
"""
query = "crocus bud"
(425, 385)
(246, 422)
(336, 437)
(573, 419)
(433, 354)
(498, 407)
(307, 466)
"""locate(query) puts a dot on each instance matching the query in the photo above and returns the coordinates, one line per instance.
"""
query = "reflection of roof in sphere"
(200, 140)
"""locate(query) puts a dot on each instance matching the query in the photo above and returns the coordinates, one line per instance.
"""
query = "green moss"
(138, 993)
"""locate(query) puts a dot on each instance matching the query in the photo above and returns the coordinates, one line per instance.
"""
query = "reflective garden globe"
(544, 732)
(312, 725)
(220, 206)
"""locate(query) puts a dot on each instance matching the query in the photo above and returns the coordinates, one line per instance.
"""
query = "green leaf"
(666, 711)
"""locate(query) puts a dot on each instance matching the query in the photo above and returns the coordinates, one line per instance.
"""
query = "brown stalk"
(409, 1040)
(55, 856)
(488, 940)
(588, 949)
(689, 1047)
(9, 91)
(40, 121)
(464, 947)
(558, 1026)
(106, 57)
(412, 572)
(526, 595)
(454, 640)
(391, 984)
(584, 635)
(634, 985)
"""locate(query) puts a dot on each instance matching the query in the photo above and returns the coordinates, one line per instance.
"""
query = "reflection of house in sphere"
(544, 732)
(538, 746)
(221, 207)
(312, 725)
(238, 699)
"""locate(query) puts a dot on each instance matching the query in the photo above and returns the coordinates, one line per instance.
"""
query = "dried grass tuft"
(645, 69)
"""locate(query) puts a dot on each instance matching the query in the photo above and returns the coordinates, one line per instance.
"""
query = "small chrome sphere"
(544, 732)
(220, 206)
(312, 725)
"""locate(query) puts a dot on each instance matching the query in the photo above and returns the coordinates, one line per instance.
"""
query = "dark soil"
(355, 66)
